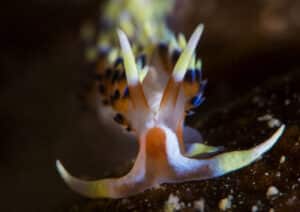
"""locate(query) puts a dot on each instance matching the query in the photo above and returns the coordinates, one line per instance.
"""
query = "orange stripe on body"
(156, 144)
(138, 98)
(179, 133)
(190, 89)
(170, 93)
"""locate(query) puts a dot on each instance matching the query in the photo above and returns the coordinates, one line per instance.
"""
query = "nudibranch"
(152, 101)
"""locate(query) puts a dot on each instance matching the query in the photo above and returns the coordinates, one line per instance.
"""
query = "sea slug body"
(153, 80)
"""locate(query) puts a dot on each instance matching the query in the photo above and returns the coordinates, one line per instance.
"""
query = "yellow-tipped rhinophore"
(129, 59)
(185, 57)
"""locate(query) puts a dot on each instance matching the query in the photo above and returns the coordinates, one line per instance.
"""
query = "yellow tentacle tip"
(129, 59)
(187, 54)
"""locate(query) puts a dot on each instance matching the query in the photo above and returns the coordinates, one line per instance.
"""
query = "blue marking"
(118, 61)
(103, 50)
(203, 84)
(142, 60)
(126, 92)
(175, 55)
(190, 76)
(163, 46)
(198, 74)
(197, 100)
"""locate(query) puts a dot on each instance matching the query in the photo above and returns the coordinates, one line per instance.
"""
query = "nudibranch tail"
(165, 165)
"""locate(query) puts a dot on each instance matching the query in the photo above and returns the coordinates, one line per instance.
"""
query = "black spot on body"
(119, 118)
(190, 76)
(198, 74)
(103, 51)
(115, 76)
(105, 102)
(175, 55)
(163, 46)
(118, 61)
(129, 128)
(115, 96)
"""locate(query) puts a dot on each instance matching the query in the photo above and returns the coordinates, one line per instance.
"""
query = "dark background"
(42, 71)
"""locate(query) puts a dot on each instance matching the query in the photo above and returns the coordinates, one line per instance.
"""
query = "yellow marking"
(129, 60)
(113, 55)
(198, 149)
(231, 161)
(199, 64)
(181, 41)
(143, 73)
(185, 57)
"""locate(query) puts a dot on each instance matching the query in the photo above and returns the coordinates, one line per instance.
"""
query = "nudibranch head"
(152, 100)
(154, 95)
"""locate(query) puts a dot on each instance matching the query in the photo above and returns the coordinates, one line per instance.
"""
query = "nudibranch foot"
(160, 161)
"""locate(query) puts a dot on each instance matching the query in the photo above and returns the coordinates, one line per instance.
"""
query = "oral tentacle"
(167, 165)
(128, 185)
(137, 180)
(90, 189)
(188, 169)
(231, 161)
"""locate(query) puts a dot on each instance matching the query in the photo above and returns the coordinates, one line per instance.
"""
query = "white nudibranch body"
(151, 99)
